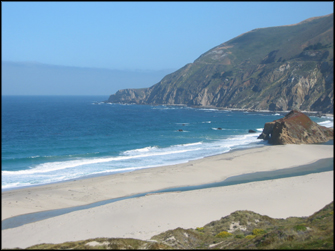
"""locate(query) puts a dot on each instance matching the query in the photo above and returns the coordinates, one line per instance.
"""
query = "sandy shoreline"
(149, 215)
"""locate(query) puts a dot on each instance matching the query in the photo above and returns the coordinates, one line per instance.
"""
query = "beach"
(152, 214)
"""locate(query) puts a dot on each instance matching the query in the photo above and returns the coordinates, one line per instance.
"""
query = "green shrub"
(200, 229)
(223, 234)
(258, 231)
(250, 236)
(239, 236)
(299, 228)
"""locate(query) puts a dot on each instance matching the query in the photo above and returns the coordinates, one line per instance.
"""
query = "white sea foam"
(165, 108)
(327, 117)
(140, 150)
(128, 161)
(191, 144)
(209, 109)
(327, 123)
(14, 185)
(195, 150)
(57, 166)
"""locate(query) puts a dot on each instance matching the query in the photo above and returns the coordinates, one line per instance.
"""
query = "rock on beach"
(295, 128)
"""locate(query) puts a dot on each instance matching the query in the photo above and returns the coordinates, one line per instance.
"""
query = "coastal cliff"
(276, 68)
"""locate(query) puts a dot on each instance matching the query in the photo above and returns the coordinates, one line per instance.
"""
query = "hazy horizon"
(23, 78)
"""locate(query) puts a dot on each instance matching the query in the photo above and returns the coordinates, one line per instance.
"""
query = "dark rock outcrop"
(267, 131)
(295, 128)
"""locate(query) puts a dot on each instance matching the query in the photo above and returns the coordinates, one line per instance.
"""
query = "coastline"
(206, 170)
(323, 165)
(285, 193)
(282, 113)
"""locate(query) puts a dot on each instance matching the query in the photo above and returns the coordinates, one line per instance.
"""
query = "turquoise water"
(48, 139)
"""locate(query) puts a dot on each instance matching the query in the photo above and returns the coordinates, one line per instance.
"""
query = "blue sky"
(135, 35)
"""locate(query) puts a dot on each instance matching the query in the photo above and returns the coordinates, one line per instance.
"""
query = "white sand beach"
(152, 214)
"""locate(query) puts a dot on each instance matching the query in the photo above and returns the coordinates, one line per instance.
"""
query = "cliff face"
(128, 96)
(295, 128)
(276, 68)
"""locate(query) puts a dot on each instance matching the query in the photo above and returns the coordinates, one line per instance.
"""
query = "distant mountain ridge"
(32, 78)
(277, 68)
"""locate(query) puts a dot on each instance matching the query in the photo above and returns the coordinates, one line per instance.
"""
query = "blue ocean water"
(48, 139)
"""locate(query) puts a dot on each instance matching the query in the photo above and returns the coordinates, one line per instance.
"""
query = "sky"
(146, 36)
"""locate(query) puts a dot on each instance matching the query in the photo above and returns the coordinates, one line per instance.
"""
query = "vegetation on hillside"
(276, 68)
(239, 230)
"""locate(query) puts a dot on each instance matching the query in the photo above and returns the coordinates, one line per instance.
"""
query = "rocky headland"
(295, 128)
(276, 68)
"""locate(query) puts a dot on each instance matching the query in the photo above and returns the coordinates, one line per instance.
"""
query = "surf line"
(322, 165)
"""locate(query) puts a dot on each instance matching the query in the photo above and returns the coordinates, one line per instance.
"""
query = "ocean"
(47, 139)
